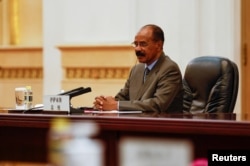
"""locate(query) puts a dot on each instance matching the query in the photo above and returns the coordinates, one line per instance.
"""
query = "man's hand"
(105, 103)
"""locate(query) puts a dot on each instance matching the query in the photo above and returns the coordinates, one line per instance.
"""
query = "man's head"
(148, 43)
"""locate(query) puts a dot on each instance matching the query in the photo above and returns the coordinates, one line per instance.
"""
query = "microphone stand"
(74, 93)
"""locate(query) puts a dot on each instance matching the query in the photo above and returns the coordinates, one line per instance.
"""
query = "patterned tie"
(146, 71)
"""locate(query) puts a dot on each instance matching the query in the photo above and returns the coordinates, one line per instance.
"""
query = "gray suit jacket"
(162, 91)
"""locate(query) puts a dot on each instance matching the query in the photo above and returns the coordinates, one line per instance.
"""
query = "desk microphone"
(79, 92)
(76, 92)
(71, 91)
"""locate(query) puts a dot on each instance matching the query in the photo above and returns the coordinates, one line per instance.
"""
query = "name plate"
(153, 151)
(56, 103)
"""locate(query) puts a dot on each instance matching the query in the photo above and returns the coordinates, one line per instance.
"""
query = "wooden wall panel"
(104, 68)
(20, 66)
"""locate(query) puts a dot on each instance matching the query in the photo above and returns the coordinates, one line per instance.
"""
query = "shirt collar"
(151, 65)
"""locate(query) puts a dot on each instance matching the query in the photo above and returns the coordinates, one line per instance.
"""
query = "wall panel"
(104, 68)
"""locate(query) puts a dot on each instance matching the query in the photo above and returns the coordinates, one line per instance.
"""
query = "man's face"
(146, 49)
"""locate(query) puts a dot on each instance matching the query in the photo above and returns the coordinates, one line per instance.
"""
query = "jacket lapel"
(150, 78)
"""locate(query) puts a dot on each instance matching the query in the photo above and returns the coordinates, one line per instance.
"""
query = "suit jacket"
(161, 92)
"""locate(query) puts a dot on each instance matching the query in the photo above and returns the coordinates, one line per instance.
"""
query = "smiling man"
(155, 84)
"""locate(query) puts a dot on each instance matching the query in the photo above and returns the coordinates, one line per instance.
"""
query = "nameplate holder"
(56, 103)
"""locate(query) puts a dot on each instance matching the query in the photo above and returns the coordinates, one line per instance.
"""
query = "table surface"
(220, 123)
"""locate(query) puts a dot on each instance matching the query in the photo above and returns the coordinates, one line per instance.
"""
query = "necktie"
(146, 71)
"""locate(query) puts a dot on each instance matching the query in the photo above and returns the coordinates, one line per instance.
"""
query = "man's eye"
(141, 44)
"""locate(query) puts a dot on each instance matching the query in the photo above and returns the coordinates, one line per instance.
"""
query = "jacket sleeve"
(163, 91)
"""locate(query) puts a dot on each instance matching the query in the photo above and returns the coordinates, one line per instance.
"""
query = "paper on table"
(110, 112)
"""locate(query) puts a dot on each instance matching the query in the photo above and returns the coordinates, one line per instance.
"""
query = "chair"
(210, 85)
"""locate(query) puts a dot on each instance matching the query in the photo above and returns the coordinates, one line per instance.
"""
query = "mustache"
(139, 53)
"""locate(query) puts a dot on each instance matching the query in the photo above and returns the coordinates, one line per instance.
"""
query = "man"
(159, 90)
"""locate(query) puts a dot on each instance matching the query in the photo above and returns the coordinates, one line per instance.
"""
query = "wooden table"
(23, 137)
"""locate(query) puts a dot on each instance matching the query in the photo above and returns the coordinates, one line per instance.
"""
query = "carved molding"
(21, 73)
(97, 73)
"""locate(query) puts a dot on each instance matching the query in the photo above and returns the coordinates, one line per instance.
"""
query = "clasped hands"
(105, 103)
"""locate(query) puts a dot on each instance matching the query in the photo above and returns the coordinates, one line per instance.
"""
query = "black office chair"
(210, 85)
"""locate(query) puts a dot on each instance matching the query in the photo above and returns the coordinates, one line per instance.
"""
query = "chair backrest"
(210, 85)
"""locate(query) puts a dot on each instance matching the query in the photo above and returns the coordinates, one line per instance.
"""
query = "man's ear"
(160, 44)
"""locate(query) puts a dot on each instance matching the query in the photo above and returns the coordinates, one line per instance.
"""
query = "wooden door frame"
(245, 60)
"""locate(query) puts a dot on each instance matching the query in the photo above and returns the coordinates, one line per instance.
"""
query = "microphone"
(76, 91)
(79, 92)
(71, 91)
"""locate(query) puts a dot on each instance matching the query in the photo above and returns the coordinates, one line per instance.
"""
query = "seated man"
(155, 84)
